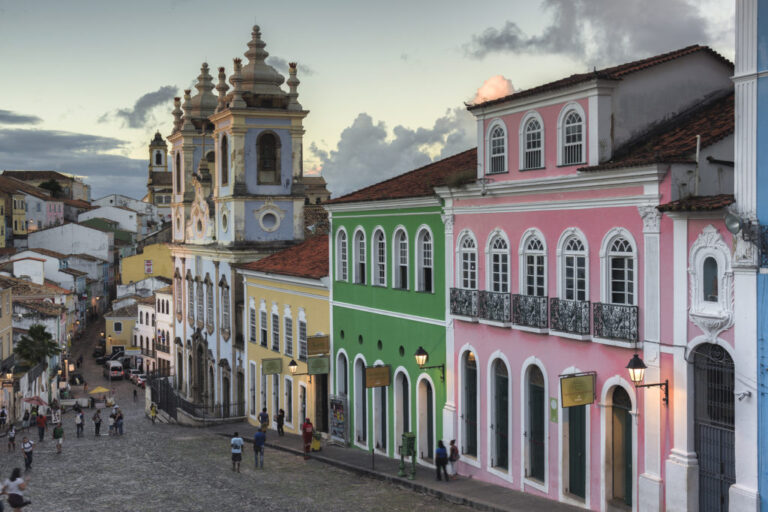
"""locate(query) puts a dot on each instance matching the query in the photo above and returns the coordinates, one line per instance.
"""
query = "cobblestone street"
(168, 467)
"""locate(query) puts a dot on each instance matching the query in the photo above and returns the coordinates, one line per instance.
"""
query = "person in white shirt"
(27, 446)
(14, 488)
(237, 451)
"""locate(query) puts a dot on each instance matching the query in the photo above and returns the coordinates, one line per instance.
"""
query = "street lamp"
(293, 366)
(422, 356)
(636, 368)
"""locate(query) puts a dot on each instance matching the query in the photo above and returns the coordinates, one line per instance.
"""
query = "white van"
(114, 370)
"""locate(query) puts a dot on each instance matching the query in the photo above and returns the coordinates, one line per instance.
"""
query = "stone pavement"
(464, 491)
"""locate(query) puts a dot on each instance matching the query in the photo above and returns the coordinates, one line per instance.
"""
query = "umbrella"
(98, 390)
(35, 400)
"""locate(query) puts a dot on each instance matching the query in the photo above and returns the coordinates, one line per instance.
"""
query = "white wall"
(74, 238)
(127, 220)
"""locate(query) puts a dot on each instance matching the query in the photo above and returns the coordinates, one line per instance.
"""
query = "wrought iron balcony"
(495, 306)
(615, 321)
(163, 348)
(464, 302)
(148, 353)
(530, 311)
(571, 316)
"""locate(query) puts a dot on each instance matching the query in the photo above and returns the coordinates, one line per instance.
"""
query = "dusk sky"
(87, 83)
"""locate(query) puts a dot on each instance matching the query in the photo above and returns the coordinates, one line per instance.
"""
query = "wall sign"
(318, 365)
(377, 376)
(272, 366)
(577, 389)
(318, 345)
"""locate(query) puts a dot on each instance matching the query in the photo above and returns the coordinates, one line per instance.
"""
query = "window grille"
(572, 140)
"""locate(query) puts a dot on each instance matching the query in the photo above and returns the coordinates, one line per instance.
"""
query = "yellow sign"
(318, 345)
(577, 389)
(272, 366)
(377, 376)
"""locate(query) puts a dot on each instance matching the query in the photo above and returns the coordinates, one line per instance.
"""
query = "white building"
(164, 331)
(149, 211)
(144, 334)
(126, 219)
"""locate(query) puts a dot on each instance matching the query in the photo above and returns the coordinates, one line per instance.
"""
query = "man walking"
(58, 436)
(79, 423)
(3, 417)
(26, 450)
(119, 422)
(97, 422)
(280, 422)
(237, 451)
(307, 432)
(264, 419)
(42, 426)
(258, 448)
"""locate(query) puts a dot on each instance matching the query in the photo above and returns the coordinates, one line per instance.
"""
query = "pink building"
(593, 235)
(54, 212)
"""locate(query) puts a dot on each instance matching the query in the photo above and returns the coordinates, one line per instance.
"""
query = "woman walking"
(12, 438)
(14, 488)
(441, 460)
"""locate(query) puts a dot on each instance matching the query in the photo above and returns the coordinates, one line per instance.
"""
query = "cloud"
(76, 153)
(367, 153)
(139, 115)
(282, 65)
(8, 117)
(495, 87)
(601, 31)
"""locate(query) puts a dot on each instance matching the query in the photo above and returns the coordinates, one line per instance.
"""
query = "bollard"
(373, 461)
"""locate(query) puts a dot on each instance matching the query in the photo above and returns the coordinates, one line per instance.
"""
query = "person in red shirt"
(307, 430)
(42, 425)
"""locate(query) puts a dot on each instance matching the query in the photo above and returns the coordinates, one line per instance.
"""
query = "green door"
(622, 447)
(430, 422)
(470, 408)
(536, 431)
(501, 416)
(577, 448)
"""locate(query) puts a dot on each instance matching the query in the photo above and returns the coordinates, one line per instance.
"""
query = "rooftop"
(127, 311)
(38, 175)
(45, 308)
(48, 252)
(308, 259)
(698, 203)
(73, 272)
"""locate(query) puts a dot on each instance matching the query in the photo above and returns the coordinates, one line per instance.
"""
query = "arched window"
(534, 261)
(341, 255)
(499, 265)
(190, 300)
(497, 149)
(158, 158)
(379, 258)
(468, 259)
(711, 278)
(401, 260)
(359, 256)
(209, 303)
(533, 149)
(621, 268)
(178, 293)
(224, 157)
(341, 374)
(574, 285)
(200, 303)
(178, 173)
(424, 259)
(573, 139)
(141, 317)
(268, 147)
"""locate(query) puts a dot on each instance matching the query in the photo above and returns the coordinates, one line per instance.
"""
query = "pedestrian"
(85, 388)
(12, 438)
(42, 426)
(33, 417)
(119, 422)
(112, 424)
(280, 422)
(307, 431)
(97, 421)
(3, 417)
(79, 423)
(237, 451)
(259, 438)
(453, 458)
(25, 420)
(441, 460)
(135, 395)
(264, 418)
(58, 436)
(153, 412)
(14, 488)
(27, 447)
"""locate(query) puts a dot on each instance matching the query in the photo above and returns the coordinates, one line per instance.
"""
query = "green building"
(388, 299)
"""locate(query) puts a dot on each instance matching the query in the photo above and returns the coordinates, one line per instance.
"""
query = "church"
(237, 196)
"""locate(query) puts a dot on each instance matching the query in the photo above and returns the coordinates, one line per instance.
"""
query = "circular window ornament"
(269, 221)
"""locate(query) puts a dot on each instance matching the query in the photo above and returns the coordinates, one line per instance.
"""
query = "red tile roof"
(37, 175)
(308, 259)
(454, 170)
(77, 203)
(674, 141)
(612, 73)
(48, 252)
(698, 203)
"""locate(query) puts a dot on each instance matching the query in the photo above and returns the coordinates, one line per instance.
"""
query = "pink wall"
(54, 212)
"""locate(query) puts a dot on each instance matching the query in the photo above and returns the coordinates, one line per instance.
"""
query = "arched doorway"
(536, 424)
(469, 404)
(361, 404)
(380, 417)
(620, 448)
(179, 371)
(240, 398)
(402, 407)
(714, 425)
(225, 397)
(211, 399)
(426, 441)
(199, 386)
(499, 401)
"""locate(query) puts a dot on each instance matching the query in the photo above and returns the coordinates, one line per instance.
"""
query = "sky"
(87, 83)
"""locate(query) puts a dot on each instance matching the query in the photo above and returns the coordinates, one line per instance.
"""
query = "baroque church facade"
(237, 196)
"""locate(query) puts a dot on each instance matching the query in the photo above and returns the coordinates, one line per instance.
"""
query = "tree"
(36, 346)
(53, 186)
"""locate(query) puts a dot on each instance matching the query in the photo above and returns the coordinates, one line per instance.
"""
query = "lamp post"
(636, 368)
(293, 366)
(422, 356)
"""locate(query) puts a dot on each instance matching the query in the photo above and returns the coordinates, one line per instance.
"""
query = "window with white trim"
(497, 150)
(275, 332)
(533, 150)
(499, 259)
(621, 260)
(302, 340)
(252, 324)
(225, 306)
(425, 259)
(574, 270)
(573, 139)
(401, 260)
(190, 300)
(711, 278)
(341, 256)
(209, 304)
(288, 336)
(288, 400)
(200, 301)
(468, 259)
(359, 257)
(534, 267)
(252, 374)
(379, 259)
(263, 320)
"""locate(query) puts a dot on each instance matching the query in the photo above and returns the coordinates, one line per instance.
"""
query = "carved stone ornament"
(448, 221)
(651, 218)
(269, 215)
(711, 317)
(199, 226)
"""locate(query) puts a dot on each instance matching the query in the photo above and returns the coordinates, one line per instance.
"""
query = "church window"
(158, 158)
(178, 173)
(225, 306)
(209, 304)
(268, 149)
(224, 154)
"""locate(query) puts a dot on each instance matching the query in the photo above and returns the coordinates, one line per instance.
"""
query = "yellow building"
(119, 327)
(19, 213)
(6, 328)
(155, 260)
(286, 317)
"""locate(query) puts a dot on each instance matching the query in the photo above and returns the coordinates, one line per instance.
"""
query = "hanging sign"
(577, 389)
(318, 345)
(377, 376)
(318, 365)
(272, 366)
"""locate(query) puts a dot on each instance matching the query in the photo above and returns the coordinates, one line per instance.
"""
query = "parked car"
(141, 380)
(131, 374)
(98, 352)
(114, 370)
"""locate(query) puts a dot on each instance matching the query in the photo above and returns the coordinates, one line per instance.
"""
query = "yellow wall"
(19, 221)
(316, 311)
(132, 267)
(124, 337)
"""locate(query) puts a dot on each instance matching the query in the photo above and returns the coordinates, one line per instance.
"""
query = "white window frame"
(275, 345)
(525, 422)
(569, 108)
(288, 397)
(288, 332)
(302, 329)
(421, 259)
(342, 255)
(190, 300)
(359, 251)
(263, 326)
(530, 234)
(252, 379)
(252, 327)
(200, 298)
(225, 305)
(562, 253)
(528, 117)
(379, 257)
(492, 127)
(490, 253)
(397, 253)
(466, 236)
(605, 266)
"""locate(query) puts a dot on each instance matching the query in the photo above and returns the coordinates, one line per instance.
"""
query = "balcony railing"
(166, 349)
(464, 302)
(615, 321)
(571, 316)
(530, 311)
(495, 306)
(148, 353)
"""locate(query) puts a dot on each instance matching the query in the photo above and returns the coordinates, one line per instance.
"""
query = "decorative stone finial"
(222, 89)
(204, 102)
(187, 108)
(176, 114)
(237, 82)
(258, 76)
(293, 84)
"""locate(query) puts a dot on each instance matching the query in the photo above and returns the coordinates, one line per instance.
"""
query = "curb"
(396, 480)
